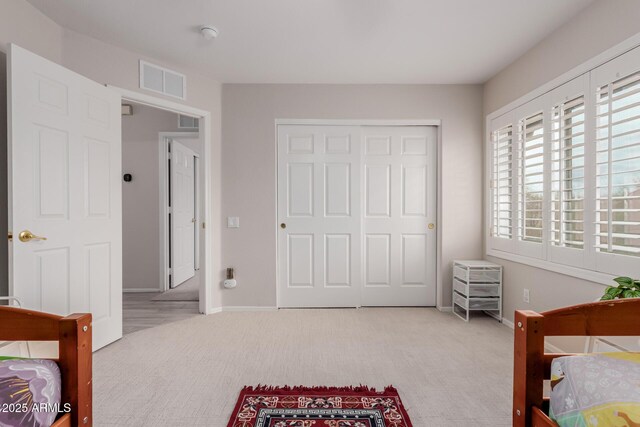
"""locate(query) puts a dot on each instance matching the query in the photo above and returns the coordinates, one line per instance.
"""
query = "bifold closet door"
(399, 241)
(319, 216)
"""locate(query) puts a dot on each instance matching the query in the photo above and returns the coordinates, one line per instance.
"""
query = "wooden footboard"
(73, 334)
(532, 365)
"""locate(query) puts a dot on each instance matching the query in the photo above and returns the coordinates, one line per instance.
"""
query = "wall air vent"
(188, 122)
(161, 80)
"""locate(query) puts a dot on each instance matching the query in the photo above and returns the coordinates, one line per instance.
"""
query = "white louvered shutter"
(567, 145)
(617, 228)
(531, 178)
(502, 183)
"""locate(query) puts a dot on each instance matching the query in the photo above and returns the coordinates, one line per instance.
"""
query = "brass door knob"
(283, 225)
(27, 236)
(432, 226)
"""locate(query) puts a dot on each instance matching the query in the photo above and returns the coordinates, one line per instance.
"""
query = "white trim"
(508, 323)
(164, 70)
(598, 60)
(205, 133)
(135, 290)
(445, 309)
(248, 308)
(590, 275)
(163, 177)
(350, 122)
(550, 348)
(373, 122)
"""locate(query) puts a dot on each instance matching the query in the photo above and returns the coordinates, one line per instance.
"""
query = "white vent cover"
(161, 80)
(187, 122)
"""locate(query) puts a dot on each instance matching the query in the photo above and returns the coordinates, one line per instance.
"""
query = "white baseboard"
(508, 323)
(127, 290)
(248, 308)
(550, 348)
(445, 309)
(239, 309)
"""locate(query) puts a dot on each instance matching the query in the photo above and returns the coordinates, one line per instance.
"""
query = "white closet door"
(183, 213)
(64, 185)
(319, 204)
(399, 205)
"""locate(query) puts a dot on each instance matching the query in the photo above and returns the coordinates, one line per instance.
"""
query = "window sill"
(580, 273)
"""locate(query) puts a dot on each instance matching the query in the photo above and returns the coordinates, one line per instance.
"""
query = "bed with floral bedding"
(29, 392)
(43, 392)
(596, 390)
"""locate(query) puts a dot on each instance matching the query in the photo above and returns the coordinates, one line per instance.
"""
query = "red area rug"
(265, 406)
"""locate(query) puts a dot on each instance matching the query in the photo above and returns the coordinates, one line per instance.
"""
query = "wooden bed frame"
(73, 334)
(532, 366)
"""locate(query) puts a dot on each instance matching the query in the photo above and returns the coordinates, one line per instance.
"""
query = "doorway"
(357, 212)
(161, 214)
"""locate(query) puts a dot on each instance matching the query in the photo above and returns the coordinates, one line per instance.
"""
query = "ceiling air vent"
(161, 80)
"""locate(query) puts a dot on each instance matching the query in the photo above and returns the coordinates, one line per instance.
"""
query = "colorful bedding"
(596, 390)
(29, 392)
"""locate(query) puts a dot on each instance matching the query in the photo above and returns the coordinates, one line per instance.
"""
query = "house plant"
(627, 288)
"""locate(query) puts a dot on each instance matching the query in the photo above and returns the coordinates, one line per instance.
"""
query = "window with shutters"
(617, 214)
(565, 175)
(531, 178)
(502, 182)
(567, 144)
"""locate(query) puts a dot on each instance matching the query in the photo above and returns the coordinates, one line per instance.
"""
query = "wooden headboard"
(73, 334)
(532, 365)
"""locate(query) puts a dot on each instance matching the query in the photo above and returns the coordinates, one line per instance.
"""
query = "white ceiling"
(324, 41)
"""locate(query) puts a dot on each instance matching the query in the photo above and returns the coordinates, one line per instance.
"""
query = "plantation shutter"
(617, 227)
(567, 145)
(502, 179)
(531, 178)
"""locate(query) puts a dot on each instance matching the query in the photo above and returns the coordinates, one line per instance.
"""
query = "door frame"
(163, 176)
(440, 304)
(205, 134)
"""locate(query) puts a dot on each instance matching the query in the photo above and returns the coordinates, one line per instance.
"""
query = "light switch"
(233, 222)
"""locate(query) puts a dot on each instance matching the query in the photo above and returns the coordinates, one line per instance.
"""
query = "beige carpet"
(189, 373)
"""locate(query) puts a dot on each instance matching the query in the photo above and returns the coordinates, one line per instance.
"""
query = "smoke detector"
(209, 32)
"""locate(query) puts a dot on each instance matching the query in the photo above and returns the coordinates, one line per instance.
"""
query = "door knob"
(432, 226)
(27, 236)
(283, 225)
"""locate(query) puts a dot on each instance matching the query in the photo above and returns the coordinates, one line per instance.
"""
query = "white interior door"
(318, 203)
(399, 206)
(64, 185)
(183, 213)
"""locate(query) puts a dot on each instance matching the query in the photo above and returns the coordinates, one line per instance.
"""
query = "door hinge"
(10, 236)
(203, 226)
(169, 155)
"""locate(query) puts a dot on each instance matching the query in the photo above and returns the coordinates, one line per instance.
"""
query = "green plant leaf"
(623, 280)
(628, 294)
(636, 294)
(613, 291)
(606, 297)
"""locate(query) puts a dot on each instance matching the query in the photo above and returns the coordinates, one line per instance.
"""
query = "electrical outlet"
(525, 296)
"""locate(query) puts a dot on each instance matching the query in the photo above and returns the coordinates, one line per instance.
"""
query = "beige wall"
(249, 169)
(22, 24)
(602, 25)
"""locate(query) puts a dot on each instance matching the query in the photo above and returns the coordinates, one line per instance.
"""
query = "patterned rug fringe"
(320, 389)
